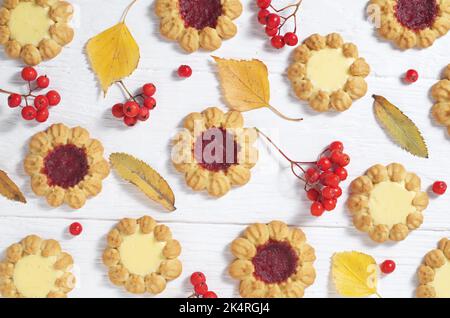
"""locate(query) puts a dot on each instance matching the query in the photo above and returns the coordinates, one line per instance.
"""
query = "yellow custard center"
(441, 281)
(29, 23)
(390, 203)
(34, 276)
(141, 253)
(328, 69)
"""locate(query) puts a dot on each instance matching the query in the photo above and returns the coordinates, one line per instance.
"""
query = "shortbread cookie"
(441, 94)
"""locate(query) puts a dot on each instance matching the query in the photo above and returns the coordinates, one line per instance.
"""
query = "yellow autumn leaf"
(9, 189)
(354, 274)
(145, 178)
(245, 84)
(114, 55)
(400, 128)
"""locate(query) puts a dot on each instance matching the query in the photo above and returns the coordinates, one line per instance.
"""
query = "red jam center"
(200, 14)
(216, 150)
(416, 15)
(275, 262)
(66, 166)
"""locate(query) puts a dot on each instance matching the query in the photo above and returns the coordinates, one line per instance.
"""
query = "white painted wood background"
(206, 226)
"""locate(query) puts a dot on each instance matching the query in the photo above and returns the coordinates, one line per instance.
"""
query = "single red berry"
(312, 194)
(41, 102)
(117, 110)
(277, 42)
(42, 115)
(131, 108)
(29, 74)
(324, 163)
(197, 278)
(317, 208)
(53, 98)
(329, 204)
(291, 39)
(331, 180)
(411, 76)
(312, 175)
(42, 81)
(262, 16)
(210, 294)
(144, 114)
(335, 156)
(130, 121)
(29, 113)
(263, 4)
(439, 187)
(14, 100)
(150, 103)
(324, 175)
(338, 192)
(273, 20)
(336, 146)
(184, 71)
(75, 229)
(201, 289)
(149, 89)
(341, 173)
(344, 160)
(271, 31)
(387, 266)
(328, 193)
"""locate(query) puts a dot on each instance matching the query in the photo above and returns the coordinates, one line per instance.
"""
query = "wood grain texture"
(206, 226)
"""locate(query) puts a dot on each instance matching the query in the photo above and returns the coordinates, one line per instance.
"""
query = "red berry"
(42, 81)
(197, 278)
(184, 71)
(317, 208)
(335, 156)
(150, 103)
(341, 173)
(328, 193)
(277, 42)
(263, 4)
(210, 294)
(29, 113)
(75, 229)
(130, 121)
(411, 76)
(53, 98)
(323, 175)
(387, 266)
(14, 100)
(336, 146)
(329, 204)
(273, 20)
(40, 102)
(312, 194)
(262, 16)
(271, 31)
(42, 115)
(149, 89)
(117, 110)
(131, 108)
(338, 192)
(344, 160)
(439, 187)
(312, 175)
(291, 39)
(29, 74)
(144, 114)
(324, 164)
(331, 180)
(201, 289)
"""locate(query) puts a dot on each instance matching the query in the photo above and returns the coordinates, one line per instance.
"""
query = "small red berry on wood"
(184, 71)
(53, 98)
(313, 194)
(210, 294)
(262, 16)
(144, 114)
(197, 278)
(291, 39)
(439, 187)
(131, 109)
(341, 173)
(150, 103)
(336, 146)
(41, 102)
(149, 89)
(388, 266)
(29, 113)
(75, 229)
(263, 4)
(277, 42)
(324, 164)
(411, 76)
(117, 110)
(29, 74)
(42, 115)
(14, 100)
(317, 208)
(42, 81)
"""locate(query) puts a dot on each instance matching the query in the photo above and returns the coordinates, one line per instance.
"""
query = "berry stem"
(122, 85)
(293, 14)
(276, 111)
(127, 9)
(6, 92)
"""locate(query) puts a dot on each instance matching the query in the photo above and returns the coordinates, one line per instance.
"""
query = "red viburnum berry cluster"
(198, 281)
(34, 106)
(131, 111)
(274, 22)
(323, 177)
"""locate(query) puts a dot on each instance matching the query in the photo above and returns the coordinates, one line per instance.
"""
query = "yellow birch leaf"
(145, 178)
(114, 54)
(399, 127)
(9, 189)
(354, 274)
(245, 85)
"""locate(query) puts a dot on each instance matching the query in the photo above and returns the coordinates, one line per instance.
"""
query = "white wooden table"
(206, 226)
